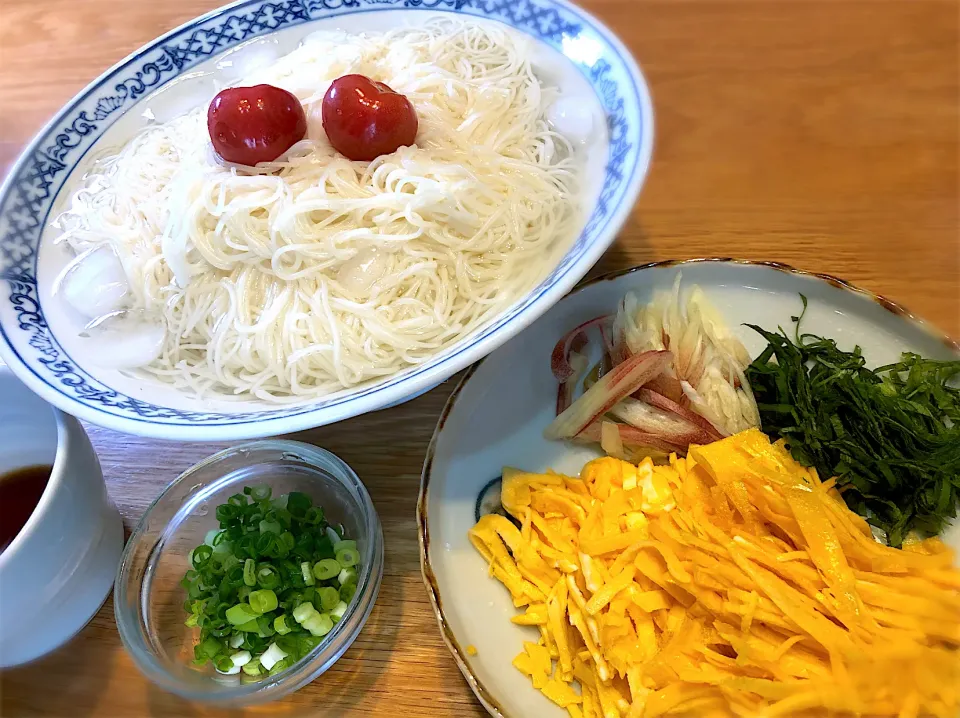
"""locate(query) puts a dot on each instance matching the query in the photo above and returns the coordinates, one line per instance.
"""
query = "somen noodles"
(315, 273)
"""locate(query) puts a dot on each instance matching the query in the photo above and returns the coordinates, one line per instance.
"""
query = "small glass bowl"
(148, 598)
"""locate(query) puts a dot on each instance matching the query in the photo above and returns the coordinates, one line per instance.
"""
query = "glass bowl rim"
(130, 623)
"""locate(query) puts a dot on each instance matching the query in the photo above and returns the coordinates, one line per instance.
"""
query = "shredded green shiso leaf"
(890, 435)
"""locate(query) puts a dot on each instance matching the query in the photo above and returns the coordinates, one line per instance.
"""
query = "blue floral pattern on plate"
(30, 191)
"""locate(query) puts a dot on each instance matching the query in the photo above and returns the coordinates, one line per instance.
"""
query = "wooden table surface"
(823, 134)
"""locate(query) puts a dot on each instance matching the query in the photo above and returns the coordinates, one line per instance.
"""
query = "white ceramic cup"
(57, 572)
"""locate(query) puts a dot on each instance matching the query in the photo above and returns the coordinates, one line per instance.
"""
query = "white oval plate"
(497, 414)
(185, 68)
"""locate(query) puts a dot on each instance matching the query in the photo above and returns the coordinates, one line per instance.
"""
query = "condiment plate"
(497, 414)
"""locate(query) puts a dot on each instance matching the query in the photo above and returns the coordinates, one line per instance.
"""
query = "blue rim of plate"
(27, 195)
(460, 655)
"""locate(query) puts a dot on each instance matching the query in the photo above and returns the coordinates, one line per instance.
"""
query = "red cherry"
(365, 119)
(248, 125)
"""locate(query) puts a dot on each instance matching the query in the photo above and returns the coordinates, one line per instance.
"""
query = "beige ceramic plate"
(498, 412)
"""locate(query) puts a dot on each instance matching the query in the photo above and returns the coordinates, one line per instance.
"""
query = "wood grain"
(823, 134)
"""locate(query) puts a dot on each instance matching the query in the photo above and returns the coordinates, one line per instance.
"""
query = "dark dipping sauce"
(20, 492)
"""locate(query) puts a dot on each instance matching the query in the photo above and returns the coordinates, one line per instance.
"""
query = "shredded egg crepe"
(732, 582)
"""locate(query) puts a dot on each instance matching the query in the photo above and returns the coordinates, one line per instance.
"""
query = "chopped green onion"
(281, 665)
(298, 504)
(290, 644)
(347, 592)
(263, 601)
(308, 643)
(246, 546)
(219, 629)
(338, 611)
(280, 625)
(313, 516)
(270, 527)
(262, 627)
(259, 493)
(266, 586)
(249, 572)
(221, 611)
(201, 556)
(222, 551)
(254, 643)
(329, 597)
(307, 572)
(273, 655)
(210, 647)
(268, 577)
(304, 611)
(322, 548)
(240, 614)
(326, 569)
(250, 626)
(234, 572)
(226, 514)
(348, 557)
(267, 545)
(319, 624)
